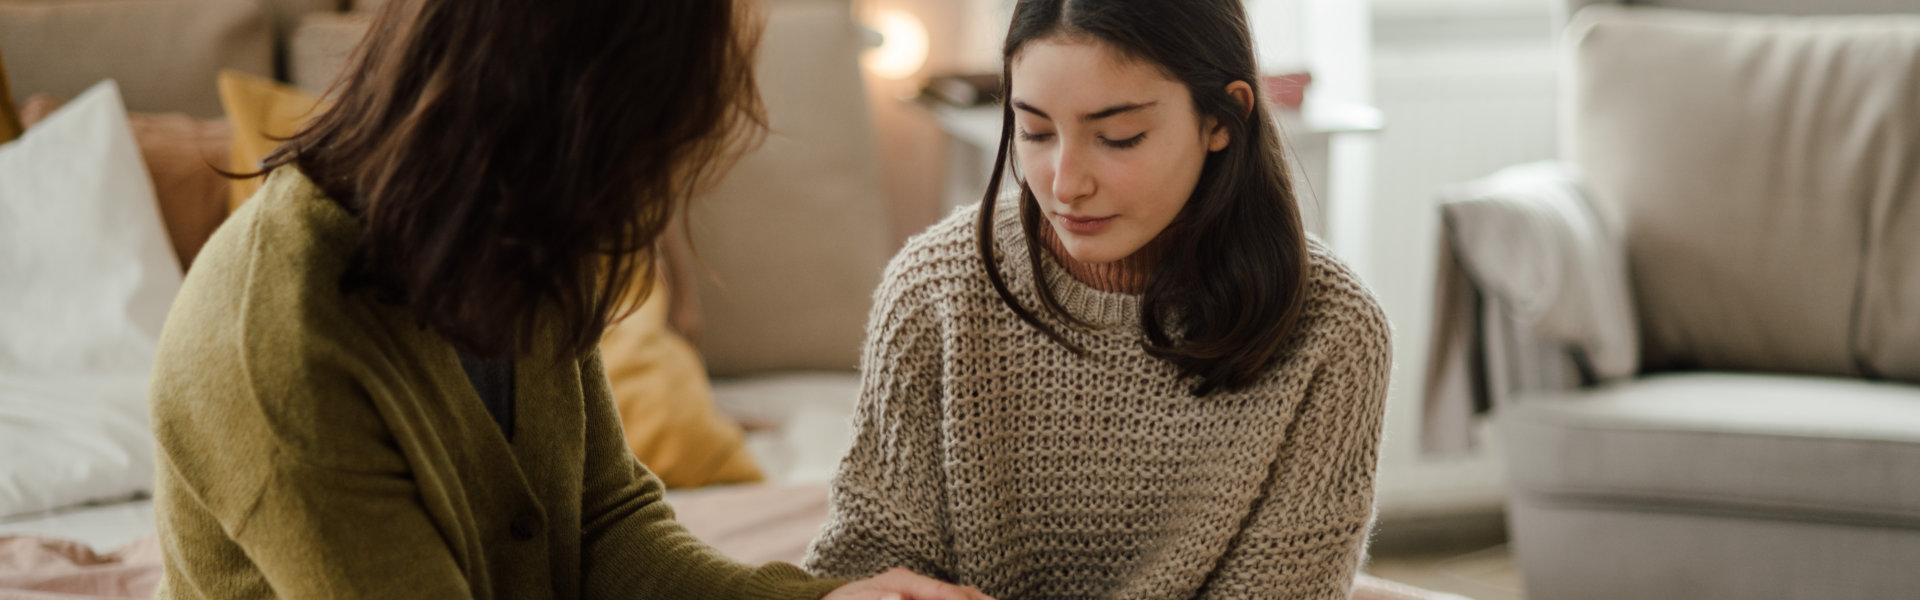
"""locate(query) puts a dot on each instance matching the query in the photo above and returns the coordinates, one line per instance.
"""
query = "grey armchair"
(1757, 176)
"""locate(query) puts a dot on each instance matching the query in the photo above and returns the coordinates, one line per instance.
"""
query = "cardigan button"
(524, 526)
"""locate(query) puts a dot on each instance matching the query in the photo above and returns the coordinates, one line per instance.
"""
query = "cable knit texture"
(987, 455)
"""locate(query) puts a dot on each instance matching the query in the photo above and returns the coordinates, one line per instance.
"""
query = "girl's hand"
(900, 584)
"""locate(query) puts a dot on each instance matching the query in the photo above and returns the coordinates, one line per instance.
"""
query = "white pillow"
(1531, 241)
(88, 280)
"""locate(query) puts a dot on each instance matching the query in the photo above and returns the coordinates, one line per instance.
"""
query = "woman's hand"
(901, 584)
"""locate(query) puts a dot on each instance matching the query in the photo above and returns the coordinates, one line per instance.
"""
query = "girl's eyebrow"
(1117, 109)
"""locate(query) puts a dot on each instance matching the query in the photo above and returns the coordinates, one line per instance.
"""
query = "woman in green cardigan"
(380, 378)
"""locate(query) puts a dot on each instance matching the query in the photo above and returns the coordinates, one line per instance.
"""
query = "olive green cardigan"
(315, 444)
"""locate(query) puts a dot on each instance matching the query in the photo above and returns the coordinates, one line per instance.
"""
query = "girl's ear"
(1220, 137)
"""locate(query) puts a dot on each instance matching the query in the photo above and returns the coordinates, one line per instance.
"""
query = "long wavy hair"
(1231, 279)
(512, 162)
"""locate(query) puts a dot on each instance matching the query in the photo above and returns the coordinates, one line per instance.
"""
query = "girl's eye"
(1126, 143)
(1026, 136)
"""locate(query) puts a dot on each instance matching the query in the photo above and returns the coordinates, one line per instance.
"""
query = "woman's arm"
(1306, 537)
(634, 548)
(887, 502)
(286, 469)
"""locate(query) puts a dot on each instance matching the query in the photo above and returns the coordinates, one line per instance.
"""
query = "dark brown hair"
(514, 161)
(1233, 270)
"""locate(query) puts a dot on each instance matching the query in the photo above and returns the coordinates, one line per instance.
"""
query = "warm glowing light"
(903, 46)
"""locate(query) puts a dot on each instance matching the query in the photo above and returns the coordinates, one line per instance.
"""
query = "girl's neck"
(1126, 276)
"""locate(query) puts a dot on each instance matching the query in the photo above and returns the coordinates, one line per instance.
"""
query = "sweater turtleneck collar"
(1125, 276)
(1084, 301)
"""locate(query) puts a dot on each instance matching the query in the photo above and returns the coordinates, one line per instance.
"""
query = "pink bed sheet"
(754, 523)
(33, 568)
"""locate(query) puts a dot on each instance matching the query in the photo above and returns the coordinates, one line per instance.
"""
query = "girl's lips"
(1084, 225)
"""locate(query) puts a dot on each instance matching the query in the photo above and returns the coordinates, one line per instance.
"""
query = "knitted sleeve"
(887, 506)
(1306, 537)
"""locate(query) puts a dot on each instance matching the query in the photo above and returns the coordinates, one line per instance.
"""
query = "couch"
(1700, 331)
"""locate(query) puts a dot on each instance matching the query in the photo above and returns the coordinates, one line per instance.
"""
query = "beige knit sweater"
(987, 455)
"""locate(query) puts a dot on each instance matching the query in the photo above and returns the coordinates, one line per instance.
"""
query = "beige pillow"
(1747, 157)
(288, 14)
(797, 234)
(320, 48)
(163, 53)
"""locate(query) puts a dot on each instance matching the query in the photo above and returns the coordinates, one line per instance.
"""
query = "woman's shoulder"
(939, 261)
(288, 241)
(268, 279)
(949, 239)
(261, 328)
(1339, 305)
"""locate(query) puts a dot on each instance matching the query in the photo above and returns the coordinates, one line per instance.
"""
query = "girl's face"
(1110, 146)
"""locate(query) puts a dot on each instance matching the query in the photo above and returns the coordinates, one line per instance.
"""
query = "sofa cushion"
(287, 14)
(1746, 157)
(1887, 334)
(797, 233)
(321, 46)
(1794, 447)
(163, 53)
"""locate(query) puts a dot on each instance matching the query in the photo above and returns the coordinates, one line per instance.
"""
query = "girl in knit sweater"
(1138, 378)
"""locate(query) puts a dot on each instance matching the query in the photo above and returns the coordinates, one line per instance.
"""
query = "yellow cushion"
(660, 385)
(9, 115)
(263, 112)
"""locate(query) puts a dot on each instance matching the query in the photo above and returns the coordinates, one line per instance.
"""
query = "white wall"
(1454, 8)
(1464, 93)
(1277, 42)
(1465, 87)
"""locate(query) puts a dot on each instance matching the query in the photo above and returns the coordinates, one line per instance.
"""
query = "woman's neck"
(1126, 276)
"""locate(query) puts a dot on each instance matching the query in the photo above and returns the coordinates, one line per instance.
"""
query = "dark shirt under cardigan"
(492, 378)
